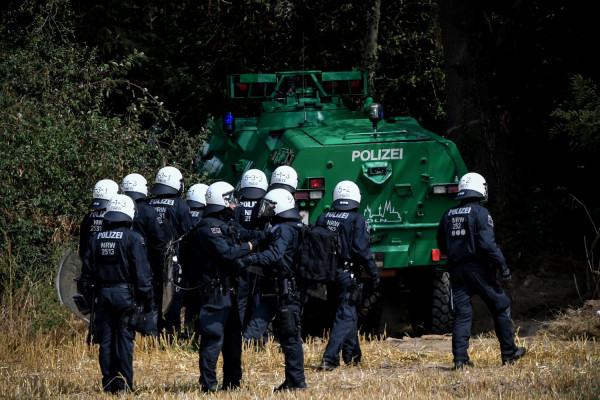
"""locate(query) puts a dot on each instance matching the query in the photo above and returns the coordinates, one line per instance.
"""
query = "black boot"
(517, 354)
(290, 386)
(461, 364)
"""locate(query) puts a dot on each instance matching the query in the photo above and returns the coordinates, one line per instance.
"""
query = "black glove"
(506, 281)
(234, 230)
(508, 287)
(240, 263)
(375, 282)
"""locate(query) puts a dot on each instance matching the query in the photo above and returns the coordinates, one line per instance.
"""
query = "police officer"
(148, 223)
(218, 242)
(195, 198)
(277, 263)
(466, 235)
(283, 177)
(115, 273)
(253, 187)
(175, 213)
(92, 222)
(353, 229)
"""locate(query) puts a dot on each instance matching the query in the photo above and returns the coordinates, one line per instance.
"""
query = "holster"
(208, 287)
(138, 320)
(286, 287)
(287, 322)
(81, 303)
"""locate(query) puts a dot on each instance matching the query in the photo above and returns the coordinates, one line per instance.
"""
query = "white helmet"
(103, 191)
(120, 208)
(219, 195)
(196, 195)
(278, 202)
(472, 185)
(346, 196)
(168, 181)
(254, 184)
(135, 186)
(284, 177)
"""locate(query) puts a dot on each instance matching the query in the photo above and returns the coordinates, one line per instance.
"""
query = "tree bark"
(370, 53)
(473, 122)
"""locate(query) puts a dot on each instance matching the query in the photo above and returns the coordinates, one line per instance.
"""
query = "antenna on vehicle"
(303, 82)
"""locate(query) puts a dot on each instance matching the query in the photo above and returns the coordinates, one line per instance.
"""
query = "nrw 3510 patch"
(490, 221)
(216, 230)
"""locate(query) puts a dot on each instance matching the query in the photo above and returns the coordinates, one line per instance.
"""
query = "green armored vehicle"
(407, 175)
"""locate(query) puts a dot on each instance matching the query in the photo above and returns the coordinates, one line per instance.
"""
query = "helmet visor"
(230, 198)
(267, 208)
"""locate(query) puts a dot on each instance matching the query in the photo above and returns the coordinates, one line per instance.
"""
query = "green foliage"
(579, 116)
(190, 47)
(411, 62)
(67, 120)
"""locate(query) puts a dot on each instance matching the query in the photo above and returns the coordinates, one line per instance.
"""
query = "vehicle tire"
(369, 312)
(441, 311)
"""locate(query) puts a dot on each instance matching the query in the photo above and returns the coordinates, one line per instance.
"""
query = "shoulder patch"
(490, 221)
(216, 230)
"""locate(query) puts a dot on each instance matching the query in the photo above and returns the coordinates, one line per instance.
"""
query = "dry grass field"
(558, 366)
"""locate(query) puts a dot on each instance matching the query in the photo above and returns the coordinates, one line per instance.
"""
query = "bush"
(67, 121)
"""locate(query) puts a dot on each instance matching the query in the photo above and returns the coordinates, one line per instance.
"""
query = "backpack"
(318, 254)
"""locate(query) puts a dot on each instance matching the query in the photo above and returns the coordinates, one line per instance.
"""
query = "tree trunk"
(370, 53)
(473, 123)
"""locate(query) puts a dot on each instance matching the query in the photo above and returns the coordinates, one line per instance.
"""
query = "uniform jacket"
(466, 235)
(174, 212)
(90, 225)
(216, 243)
(354, 234)
(148, 223)
(117, 256)
(278, 259)
(246, 214)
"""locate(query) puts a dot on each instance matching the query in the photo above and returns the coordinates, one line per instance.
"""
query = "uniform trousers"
(477, 279)
(115, 339)
(220, 331)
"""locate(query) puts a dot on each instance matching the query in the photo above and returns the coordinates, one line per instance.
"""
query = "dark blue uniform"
(219, 324)
(90, 225)
(249, 289)
(356, 252)
(196, 214)
(277, 262)
(116, 265)
(466, 236)
(148, 223)
(189, 268)
(175, 215)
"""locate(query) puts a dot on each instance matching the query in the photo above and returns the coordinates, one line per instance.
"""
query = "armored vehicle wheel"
(441, 315)
(369, 312)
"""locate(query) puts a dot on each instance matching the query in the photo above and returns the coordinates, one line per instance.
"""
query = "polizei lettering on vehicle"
(377, 154)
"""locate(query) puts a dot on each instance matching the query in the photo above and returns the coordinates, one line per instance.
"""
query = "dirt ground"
(539, 297)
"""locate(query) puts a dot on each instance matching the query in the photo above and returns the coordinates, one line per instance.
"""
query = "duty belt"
(115, 285)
